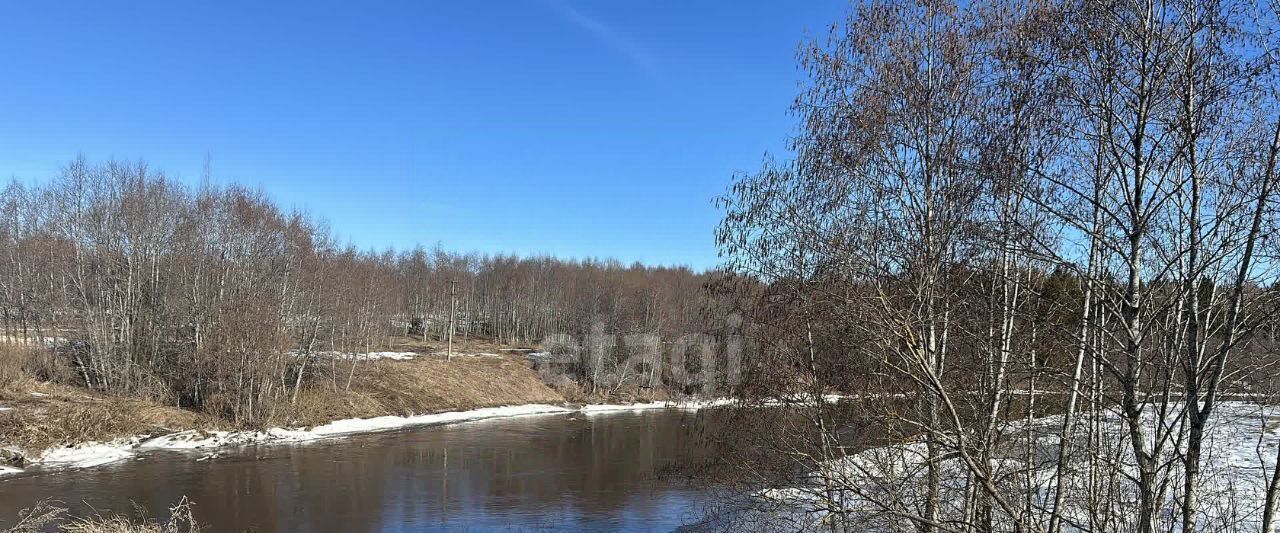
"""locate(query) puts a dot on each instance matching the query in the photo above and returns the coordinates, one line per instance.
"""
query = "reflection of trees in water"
(594, 458)
(534, 472)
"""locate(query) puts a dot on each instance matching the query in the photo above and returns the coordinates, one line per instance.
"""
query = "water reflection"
(532, 473)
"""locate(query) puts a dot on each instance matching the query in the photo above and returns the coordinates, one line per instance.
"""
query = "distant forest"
(183, 294)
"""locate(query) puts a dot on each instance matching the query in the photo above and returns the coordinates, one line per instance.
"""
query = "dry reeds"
(49, 516)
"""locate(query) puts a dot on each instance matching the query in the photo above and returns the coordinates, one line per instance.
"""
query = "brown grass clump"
(47, 516)
(45, 415)
(43, 411)
(39, 518)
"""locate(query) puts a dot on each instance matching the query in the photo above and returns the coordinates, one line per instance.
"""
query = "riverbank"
(92, 453)
(36, 415)
(51, 426)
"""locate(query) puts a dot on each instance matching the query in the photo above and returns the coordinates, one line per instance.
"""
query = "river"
(602, 472)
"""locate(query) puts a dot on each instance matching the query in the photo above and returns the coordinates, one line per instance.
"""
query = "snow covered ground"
(87, 455)
(395, 356)
(51, 342)
(98, 453)
(688, 404)
(1240, 452)
(465, 354)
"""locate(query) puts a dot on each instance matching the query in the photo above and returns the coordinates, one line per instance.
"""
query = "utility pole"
(453, 308)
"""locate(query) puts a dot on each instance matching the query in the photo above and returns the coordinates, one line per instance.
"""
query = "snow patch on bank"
(91, 454)
(85, 455)
(192, 440)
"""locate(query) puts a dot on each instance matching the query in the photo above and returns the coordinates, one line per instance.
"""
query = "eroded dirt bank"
(39, 417)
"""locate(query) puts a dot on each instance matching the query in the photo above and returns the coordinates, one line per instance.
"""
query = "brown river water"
(605, 472)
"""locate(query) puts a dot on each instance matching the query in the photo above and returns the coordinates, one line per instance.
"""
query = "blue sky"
(574, 128)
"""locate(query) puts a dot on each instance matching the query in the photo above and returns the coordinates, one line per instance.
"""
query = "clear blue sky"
(576, 128)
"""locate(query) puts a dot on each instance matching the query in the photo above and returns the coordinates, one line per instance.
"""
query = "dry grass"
(47, 516)
(41, 414)
(22, 364)
(424, 385)
(44, 415)
(575, 392)
(42, 517)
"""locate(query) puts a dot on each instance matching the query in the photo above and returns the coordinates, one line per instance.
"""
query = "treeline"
(1002, 210)
(215, 298)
